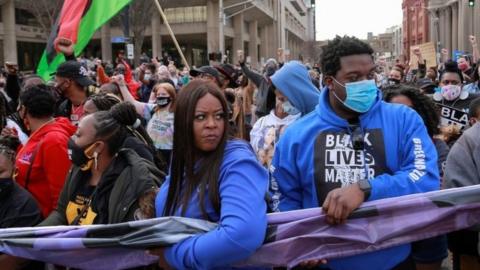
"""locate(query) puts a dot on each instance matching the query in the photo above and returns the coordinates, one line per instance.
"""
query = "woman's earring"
(95, 158)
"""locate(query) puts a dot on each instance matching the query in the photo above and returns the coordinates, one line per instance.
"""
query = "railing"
(265, 5)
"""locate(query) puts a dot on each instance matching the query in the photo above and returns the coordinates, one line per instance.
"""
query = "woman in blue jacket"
(211, 178)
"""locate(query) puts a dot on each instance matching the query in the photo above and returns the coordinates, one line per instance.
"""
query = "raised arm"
(253, 76)
(65, 46)
(475, 51)
(422, 65)
(127, 96)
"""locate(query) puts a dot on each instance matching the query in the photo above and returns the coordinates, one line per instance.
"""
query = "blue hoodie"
(315, 155)
(242, 225)
(295, 83)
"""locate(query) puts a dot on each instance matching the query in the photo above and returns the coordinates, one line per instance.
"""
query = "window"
(186, 14)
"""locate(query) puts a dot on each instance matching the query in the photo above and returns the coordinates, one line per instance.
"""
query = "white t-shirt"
(265, 134)
(159, 127)
(21, 136)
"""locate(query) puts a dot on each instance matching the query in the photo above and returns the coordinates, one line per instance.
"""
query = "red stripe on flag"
(70, 18)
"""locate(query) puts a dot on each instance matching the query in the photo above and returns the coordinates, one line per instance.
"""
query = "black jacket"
(128, 177)
(17, 206)
(265, 98)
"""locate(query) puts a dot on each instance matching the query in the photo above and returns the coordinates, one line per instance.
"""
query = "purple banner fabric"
(304, 235)
(293, 236)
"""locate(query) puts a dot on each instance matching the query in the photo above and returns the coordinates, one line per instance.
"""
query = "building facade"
(452, 22)
(22, 41)
(202, 27)
(416, 26)
(397, 45)
(258, 27)
(206, 28)
(382, 44)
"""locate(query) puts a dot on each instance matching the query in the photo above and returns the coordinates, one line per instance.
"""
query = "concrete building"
(203, 28)
(415, 24)
(22, 41)
(381, 44)
(452, 21)
(397, 45)
(258, 27)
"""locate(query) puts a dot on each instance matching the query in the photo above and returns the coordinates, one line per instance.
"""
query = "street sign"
(118, 39)
(129, 51)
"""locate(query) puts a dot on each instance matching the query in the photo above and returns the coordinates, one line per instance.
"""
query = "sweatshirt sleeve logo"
(419, 162)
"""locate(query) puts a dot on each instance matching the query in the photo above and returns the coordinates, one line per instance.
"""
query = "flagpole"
(171, 33)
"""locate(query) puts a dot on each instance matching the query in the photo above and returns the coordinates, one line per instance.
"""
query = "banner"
(428, 53)
(77, 21)
(292, 237)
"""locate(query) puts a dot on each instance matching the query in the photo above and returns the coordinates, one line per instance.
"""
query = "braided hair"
(9, 146)
(117, 124)
(104, 102)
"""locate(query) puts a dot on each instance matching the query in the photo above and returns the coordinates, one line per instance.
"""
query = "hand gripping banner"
(292, 237)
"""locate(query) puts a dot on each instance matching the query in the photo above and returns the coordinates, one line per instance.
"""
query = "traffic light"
(471, 3)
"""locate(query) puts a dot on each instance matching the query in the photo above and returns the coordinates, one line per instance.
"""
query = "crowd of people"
(105, 143)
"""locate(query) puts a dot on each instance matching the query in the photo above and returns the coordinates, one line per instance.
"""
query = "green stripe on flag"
(99, 13)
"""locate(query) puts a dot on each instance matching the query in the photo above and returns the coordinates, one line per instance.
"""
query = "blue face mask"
(289, 109)
(360, 95)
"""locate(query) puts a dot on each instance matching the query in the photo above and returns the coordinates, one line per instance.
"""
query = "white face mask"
(289, 109)
(147, 77)
(451, 92)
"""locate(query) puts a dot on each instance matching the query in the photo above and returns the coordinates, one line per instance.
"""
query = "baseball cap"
(426, 85)
(230, 73)
(425, 82)
(76, 71)
(205, 70)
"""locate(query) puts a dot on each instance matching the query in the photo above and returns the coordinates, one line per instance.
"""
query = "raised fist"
(11, 68)
(473, 40)
(417, 51)
(241, 57)
(64, 45)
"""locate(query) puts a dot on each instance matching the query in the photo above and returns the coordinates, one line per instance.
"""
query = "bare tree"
(139, 17)
(44, 11)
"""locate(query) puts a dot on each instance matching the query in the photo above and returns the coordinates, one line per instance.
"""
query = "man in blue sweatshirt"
(354, 148)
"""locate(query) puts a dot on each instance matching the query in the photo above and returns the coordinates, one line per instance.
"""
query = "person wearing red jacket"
(123, 68)
(42, 164)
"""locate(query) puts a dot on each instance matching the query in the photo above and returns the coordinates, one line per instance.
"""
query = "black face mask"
(393, 81)
(59, 88)
(270, 71)
(119, 71)
(77, 154)
(163, 102)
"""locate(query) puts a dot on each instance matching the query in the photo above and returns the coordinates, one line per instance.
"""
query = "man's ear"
(328, 81)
